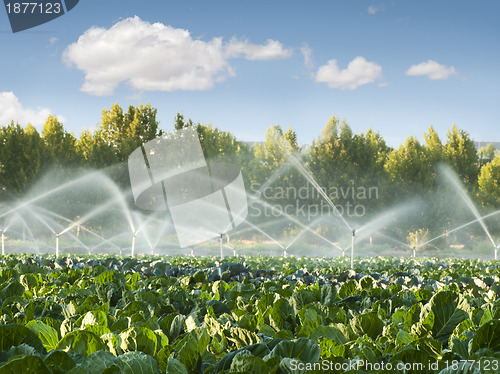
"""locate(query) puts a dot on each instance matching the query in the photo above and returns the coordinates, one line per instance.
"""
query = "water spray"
(465, 197)
(496, 252)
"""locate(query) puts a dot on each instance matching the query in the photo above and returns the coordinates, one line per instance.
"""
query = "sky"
(396, 67)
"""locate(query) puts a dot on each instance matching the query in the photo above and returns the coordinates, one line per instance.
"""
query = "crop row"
(254, 315)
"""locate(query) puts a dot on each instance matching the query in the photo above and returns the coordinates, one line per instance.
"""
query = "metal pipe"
(133, 244)
(221, 250)
(352, 249)
(415, 247)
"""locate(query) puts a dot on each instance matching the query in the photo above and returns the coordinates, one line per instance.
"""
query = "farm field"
(248, 315)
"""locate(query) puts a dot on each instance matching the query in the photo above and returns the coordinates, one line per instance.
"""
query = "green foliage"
(81, 342)
(127, 131)
(248, 325)
(461, 153)
(488, 152)
(48, 335)
(23, 158)
(25, 365)
(61, 144)
(489, 183)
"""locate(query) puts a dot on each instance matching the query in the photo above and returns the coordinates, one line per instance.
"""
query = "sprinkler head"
(353, 232)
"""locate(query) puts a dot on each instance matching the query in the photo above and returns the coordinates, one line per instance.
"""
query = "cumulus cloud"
(358, 72)
(11, 109)
(272, 50)
(432, 69)
(158, 57)
(307, 53)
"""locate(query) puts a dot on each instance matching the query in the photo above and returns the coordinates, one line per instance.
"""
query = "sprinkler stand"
(133, 244)
(221, 250)
(3, 243)
(352, 249)
(57, 245)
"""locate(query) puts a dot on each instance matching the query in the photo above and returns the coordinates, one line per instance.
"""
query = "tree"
(179, 122)
(23, 157)
(488, 152)
(489, 183)
(434, 146)
(95, 151)
(351, 164)
(409, 164)
(127, 131)
(273, 154)
(217, 145)
(461, 154)
(62, 144)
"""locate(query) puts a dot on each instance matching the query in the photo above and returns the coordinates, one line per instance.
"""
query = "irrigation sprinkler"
(221, 249)
(134, 234)
(234, 250)
(3, 243)
(352, 249)
(57, 245)
(416, 245)
(285, 253)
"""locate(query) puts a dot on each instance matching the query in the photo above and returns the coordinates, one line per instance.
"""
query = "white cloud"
(53, 40)
(158, 57)
(358, 72)
(372, 9)
(272, 50)
(432, 69)
(12, 110)
(307, 53)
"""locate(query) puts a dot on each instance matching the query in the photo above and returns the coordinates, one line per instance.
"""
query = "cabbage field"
(89, 315)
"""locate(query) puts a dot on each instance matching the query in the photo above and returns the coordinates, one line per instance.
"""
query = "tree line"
(342, 162)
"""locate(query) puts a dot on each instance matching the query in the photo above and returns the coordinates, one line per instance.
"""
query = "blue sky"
(396, 67)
